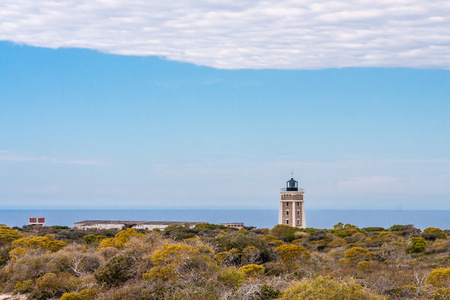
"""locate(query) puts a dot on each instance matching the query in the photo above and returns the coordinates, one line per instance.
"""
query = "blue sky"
(168, 127)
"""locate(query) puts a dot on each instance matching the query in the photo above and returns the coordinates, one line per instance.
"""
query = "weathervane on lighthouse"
(292, 205)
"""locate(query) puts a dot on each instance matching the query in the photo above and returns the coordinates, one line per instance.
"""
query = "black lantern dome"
(292, 185)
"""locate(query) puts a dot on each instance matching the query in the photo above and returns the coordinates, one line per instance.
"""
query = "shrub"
(250, 255)
(269, 238)
(438, 246)
(17, 253)
(439, 278)
(359, 236)
(76, 260)
(59, 227)
(70, 296)
(107, 243)
(207, 226)
(116, 271)
(416, 245)
(28, 267)
(240, 241)
(291, 254)
(441, 294)
(231, 277)
(252, 270)
(405, 230)
(178, 232)
(85, 294)
(284, 232)
(7, 235)
(301, 235)
(107, 252)
(365, 266)
(320, 234)
(90, 239)
(432, 234)
(337, 243)
(52, 285)
(397, 227)
(230, 257)
(342, 231)
(327, 288)
(277, 243)
(24, 287)
(274, 268)
(373, 229)
(357, 254)
(120, 239)
(267, 292)
(173, 260)
(47, 242)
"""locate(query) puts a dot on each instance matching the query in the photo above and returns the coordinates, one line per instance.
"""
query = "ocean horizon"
(258, 218)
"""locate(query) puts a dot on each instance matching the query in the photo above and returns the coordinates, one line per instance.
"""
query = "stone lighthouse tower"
(292, 206)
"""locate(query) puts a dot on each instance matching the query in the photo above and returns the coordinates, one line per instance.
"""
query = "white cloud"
(17, 157)
(281, 34)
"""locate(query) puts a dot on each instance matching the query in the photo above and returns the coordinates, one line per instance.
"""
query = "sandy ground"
(12, 297)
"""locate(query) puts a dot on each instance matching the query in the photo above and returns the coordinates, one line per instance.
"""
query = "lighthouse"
(292, 205)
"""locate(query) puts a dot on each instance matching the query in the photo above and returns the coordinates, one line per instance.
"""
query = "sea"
(323, 219)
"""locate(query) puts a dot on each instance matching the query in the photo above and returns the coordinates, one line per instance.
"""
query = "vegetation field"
(216, 262)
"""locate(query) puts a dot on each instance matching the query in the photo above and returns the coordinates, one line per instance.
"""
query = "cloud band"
(282, 34)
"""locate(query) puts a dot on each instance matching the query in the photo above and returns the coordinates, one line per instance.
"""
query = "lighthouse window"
(287, 222)
(287, 203)
(298, 222)
(298, 203)
(287, 213)
(298, 213)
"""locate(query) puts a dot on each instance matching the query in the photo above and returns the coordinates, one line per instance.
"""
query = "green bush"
(284, 232)
(416, 245)
(405, 230)
(58, 227)
(116, 271)
(432, 234)
(231, 277)
(179, 233)
(4, 254)
(397, 227)
(374, 229)
(357, 254)
(90, 239)
(319, 235)
(240, 241)
(207, 226)
(267, 292)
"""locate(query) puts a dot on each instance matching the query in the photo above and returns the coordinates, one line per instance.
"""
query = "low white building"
(238, 225)
(147, 225)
